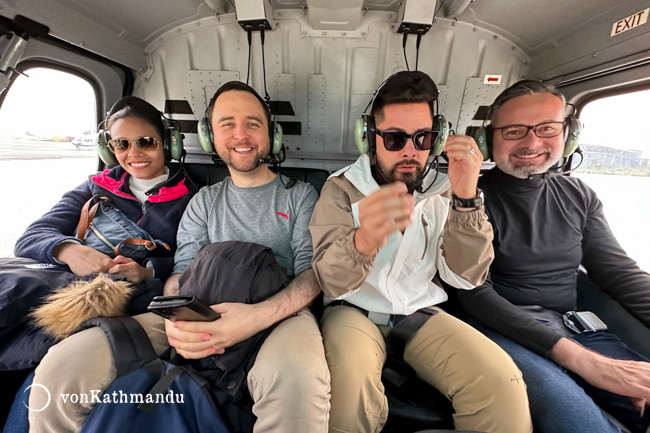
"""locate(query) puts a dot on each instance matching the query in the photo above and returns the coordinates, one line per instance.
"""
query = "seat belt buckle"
(381, 319)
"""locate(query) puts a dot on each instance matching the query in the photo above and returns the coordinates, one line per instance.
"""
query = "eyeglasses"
(542, 130)
(396, 140)
(119, 145)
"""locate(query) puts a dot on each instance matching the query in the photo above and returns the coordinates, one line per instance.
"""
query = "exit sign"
(630, 22)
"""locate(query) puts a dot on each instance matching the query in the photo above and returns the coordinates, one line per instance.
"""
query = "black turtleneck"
(543, 230)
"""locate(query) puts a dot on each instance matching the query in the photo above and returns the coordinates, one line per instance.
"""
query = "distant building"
(600, 157)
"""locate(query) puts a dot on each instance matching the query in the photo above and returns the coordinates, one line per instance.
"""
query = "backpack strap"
(161, 387)
(88, 211)
(129, 342)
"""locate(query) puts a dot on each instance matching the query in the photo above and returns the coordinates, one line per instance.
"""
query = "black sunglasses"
(119, 145)
(396, 140)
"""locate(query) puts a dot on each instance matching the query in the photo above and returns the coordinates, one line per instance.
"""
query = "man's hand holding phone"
(182, 308)
(196, 339)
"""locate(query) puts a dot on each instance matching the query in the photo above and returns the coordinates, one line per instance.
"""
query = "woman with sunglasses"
(142, 187)
(145, 190)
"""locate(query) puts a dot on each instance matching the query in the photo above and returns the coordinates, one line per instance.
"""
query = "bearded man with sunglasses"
(386, 230)
(545, 227)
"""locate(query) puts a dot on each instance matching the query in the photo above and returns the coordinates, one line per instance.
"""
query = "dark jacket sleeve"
(494, 310)
(608, 265)
(57, 225)
(162, 266)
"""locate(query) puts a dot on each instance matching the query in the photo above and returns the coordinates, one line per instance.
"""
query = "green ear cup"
(176, 144)
(276, 139)
(203, 132)
(360, 137)
(573, 135)
(101, 144)
(481, 137)
(441, 125)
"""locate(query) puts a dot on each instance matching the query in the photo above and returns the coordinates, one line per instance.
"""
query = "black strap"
(160, 387)
(129, 342)
(404, 329)
(394, 318)
(347, 304)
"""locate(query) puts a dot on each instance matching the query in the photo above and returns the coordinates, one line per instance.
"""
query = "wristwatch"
(474, 202)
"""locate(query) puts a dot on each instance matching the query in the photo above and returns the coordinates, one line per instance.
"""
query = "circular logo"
(47, 391)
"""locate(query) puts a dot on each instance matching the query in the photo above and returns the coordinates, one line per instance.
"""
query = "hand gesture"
(195, 340)
(130, 269)
(81, 259)
(622, 377)
(464, 165)
(380, 214)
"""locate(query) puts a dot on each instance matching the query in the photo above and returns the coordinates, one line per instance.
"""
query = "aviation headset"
(171, 133)
(206, 135)
(483, 136)
(365, 129)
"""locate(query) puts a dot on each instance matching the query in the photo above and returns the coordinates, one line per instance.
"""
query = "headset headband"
(243, 87)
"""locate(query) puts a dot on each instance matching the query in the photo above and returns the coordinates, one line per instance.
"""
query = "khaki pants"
(483, 384)
(289, 382)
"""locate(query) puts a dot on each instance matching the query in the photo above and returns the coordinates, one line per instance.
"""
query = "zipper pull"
(144, 207)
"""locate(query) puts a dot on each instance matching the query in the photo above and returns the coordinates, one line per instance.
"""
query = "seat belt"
(404, 329)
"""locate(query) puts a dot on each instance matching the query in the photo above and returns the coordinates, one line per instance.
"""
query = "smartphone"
(182, 308)
(583, 321)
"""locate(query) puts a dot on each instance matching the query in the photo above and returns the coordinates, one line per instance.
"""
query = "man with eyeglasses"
(385, 230)
(545, 227)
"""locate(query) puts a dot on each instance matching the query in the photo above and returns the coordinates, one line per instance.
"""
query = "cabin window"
(46, 122)
(617, 166)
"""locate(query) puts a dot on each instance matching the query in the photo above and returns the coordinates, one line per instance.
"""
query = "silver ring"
(471, 151)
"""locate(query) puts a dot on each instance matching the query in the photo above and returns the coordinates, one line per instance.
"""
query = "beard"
(523, 169)
(390, 175)
(247, 165)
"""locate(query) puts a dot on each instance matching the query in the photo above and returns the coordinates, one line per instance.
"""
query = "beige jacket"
(398, 280)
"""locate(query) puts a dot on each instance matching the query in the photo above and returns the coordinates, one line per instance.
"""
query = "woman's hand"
(130, 269)
(81, 259)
